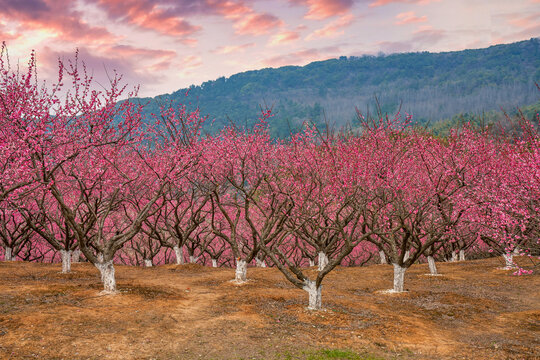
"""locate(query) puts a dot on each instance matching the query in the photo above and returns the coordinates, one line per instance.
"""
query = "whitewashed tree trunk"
(509, 261)
(193, 259)
(399, 277)
(462, 255)
(147, 262)
(323, 260)
(311, 262)
(382, 255)
(107, 276)
(66, 261)
(179, 255)
(214, 263)
(260, 263)
(314, 293)
(516, 251)
(8, 254)
(454, 256)
(241, 271)
(76, 256)
(432, 266)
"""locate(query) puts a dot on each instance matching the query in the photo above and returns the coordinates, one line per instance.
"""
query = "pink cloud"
(284, 37)
(257, 24)
(409, 17)
(55, 16)
(387, 2)
(525, 27)
(163, 17)
(323, 9)
(332, 29)
(230, 9)
(228, 49)
(524, 22)
(191, 62)
(7, 35)
(246, 20)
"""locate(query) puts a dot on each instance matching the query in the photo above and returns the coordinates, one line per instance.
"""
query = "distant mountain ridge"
(430, 86)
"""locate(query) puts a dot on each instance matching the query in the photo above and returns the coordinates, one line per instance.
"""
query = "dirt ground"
(473, 311)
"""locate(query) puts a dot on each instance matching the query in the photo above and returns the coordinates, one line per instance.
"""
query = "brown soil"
(474, 311)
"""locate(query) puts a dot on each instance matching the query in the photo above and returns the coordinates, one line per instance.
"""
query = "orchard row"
(83, 173)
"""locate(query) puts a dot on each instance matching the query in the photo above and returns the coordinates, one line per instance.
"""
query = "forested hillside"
(430, 86)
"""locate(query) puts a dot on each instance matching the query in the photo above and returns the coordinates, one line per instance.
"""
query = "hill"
(431, 87)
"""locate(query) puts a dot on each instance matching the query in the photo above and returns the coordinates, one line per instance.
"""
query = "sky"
(165, 45)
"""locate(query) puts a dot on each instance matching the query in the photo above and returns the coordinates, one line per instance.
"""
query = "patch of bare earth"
(473, 311)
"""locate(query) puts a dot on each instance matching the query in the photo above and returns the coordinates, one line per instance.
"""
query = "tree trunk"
(315, 295)
(323, 260)
(8, 254)
(432, 266)
(454, 256)
(399, 277)
(382, 255)
(76, 256)
(509, 261)
(107, 276)
(311, 262)
(179, 255)
(66, 261)
(260, 263)
(241, 271)
(192, 259)
(462, 255)
(99, 257)
(147, 262)
(214, 263)
(407, 255)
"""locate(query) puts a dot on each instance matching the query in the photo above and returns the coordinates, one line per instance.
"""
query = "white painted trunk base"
(323, 260)
(382, 255)
(454, 256)
(260, 263)
(311, 262)
(432, 266)
(462, 255)
(509, 261)
(399, 278)
(241, 271)
(193, 259)
(8, 254)
(66, 261)
(314, 293)
(214, 263)
(179, 255)
(147, 262)
(107, 276)
(76, 256)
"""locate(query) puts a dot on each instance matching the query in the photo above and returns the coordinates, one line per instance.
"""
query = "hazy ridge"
(430, 86)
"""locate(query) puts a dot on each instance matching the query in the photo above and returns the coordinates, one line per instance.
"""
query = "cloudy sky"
(164, 45)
